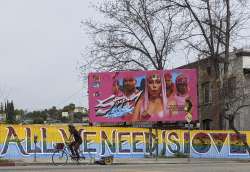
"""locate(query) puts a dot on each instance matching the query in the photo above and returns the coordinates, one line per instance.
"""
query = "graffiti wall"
(129, 96)
(17, 141)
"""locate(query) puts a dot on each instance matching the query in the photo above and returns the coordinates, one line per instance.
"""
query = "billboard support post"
(156, 143)
(35, 142)
(150, 141)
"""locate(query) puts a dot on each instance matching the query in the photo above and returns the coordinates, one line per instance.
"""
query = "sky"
(40, 46)
(40, 52)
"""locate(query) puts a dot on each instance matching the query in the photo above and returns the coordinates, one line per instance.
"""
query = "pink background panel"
(105, 79)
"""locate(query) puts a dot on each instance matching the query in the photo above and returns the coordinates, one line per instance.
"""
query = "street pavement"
(129, 161)
(136, 165)
(191, 167)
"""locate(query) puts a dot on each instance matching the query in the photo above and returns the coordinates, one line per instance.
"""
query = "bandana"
(181, 79)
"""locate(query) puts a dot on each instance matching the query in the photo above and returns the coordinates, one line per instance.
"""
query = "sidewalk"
(136, 161)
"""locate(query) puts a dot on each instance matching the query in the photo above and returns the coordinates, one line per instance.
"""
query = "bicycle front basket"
(59, 146)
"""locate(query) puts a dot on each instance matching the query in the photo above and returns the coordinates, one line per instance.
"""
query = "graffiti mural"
(158, 95)
(17, 141)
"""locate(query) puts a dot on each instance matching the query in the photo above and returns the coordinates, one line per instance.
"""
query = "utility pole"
(156, 143)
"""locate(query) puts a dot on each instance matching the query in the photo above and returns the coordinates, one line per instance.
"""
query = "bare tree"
(136, 34)
(211, 26)
(4, 93)
(236, 100)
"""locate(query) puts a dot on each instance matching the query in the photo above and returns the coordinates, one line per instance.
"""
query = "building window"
(206, 124)
(206, 92)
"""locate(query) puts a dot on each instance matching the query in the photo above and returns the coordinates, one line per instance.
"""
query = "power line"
(72, 95)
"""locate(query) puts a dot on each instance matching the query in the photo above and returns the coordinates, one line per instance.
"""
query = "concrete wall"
(16, 142)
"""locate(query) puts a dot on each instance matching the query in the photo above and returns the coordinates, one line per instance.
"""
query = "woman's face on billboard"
(154, 85)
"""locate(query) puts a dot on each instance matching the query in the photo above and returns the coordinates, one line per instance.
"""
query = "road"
(204, 167)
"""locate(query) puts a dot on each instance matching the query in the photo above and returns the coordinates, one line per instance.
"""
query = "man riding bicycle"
(74, 146)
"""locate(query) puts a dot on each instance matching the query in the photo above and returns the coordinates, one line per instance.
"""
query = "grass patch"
(162, 155)
(180, 155)
(4, 160)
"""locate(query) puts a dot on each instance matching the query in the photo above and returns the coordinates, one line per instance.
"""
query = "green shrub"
(3, 160)
(180, 155)
(162, 154)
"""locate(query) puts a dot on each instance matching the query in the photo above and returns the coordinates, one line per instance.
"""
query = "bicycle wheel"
(60, 157)
(108, 161)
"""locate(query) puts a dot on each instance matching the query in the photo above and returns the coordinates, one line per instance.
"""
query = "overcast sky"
(40, 45)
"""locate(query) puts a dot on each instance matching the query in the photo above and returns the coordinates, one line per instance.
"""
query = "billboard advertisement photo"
(130, 96)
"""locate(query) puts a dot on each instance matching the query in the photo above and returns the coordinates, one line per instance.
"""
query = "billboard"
(129, 96)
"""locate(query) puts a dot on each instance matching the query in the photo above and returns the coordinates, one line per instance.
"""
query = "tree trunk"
(227, 43)
(244, 141)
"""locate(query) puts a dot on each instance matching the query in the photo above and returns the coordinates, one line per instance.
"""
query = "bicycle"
(62, 153)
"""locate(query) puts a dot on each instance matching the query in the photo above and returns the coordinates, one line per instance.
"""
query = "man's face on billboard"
(115, 87)
(168, 80)
(129, 84)
(181, 88)
(181, 84)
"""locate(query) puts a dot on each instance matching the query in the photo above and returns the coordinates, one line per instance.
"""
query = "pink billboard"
(131, 96)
